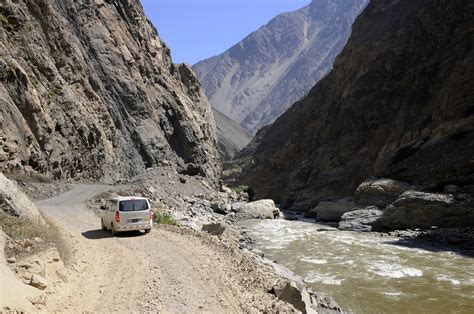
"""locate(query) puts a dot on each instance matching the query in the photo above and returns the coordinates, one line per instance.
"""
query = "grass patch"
(163, 218)
(25, 232)
(241, 189)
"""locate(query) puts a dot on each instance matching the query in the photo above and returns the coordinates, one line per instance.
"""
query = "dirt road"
(168, 270)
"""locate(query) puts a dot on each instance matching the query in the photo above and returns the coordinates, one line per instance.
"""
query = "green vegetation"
(240, 189)
(26, 230)
(163, 218)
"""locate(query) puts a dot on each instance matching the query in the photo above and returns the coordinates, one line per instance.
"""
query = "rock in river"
(422, 210)
(361, 219)
(262, 209)
(331, 211)
(381, 192)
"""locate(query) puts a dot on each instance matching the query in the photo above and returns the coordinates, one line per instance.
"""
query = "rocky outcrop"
(397, 104)
(423, 210)
(331, 211)
(15, 202)
(39, 282)
(379, 192)
(88, 90)
(256, 80)
(262, 209)
(361, 219)
(231, 136)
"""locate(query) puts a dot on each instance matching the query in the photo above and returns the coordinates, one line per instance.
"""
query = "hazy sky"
(199, 29)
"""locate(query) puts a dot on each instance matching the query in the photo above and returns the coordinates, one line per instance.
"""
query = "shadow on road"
(101, 234)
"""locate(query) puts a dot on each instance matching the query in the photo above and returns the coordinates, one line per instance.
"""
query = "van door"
(134, 212)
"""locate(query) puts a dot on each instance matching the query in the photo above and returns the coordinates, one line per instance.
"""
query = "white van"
(126, 214)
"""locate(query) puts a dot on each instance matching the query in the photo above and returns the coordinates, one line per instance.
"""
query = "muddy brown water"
(367, 272)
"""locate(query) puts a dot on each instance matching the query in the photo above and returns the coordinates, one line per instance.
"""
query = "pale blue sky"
(199, 29)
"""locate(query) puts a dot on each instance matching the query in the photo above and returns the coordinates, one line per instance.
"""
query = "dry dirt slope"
(168, 270)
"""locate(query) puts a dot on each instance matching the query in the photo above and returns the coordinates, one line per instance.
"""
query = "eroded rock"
(262, 209)
(14, 201)
(360, 219)
(216, 229)
(422, 210)
(331, 211)
(39, 282)
(380, 192)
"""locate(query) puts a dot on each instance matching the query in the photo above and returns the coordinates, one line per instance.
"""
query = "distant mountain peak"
(257, 79)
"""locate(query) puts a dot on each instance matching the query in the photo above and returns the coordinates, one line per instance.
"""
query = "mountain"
(399, 103)
(231, 136)
(88, 90)
(256, 80)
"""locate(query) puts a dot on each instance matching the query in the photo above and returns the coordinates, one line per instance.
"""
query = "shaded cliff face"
(231, 136)
(88, 90)
(256, 80)
(399, 103)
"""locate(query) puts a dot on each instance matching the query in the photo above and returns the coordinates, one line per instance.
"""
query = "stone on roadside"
(380, 192)
(11, 260)
(297, 296)
(331, 211)
(258, 252)
(221, 208)
(216, 229)
(38, 282)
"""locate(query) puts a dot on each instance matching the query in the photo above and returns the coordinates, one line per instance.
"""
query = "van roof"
(128, 198)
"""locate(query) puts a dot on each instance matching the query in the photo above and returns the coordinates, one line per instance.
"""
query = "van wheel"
(147, 230)
(102, 224)
(114, 232)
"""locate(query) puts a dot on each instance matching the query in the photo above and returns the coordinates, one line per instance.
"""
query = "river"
(369, 272)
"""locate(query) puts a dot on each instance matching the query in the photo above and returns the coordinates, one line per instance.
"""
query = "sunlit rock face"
(88, 90)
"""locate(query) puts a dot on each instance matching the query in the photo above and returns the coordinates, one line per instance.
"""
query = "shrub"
(22, 228)
(240, 189)
(163, 218)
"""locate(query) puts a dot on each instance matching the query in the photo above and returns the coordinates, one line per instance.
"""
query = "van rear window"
(133, 205)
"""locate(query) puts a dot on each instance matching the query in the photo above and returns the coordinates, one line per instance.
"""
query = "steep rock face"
(231, 136)
(256, 80)
(88, 90)
(398, 104)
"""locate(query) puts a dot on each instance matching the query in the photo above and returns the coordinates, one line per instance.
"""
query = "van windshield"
(133, 205)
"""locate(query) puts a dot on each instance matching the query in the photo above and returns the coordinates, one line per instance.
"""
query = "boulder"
(38, 282)
(15, 201)
(237, 206)
(360, 219)
(214, 228)
(262, 209)
(331, 211)
(297, 296)
(380, 192)
(221, 208)
(422, 210)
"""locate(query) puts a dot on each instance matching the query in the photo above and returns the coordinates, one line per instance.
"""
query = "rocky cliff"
(231, 136)
(398, 104)
(256, 80)
(88, 90)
